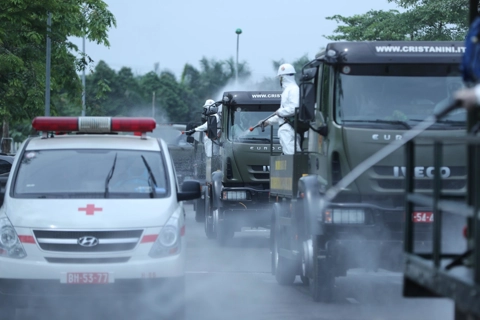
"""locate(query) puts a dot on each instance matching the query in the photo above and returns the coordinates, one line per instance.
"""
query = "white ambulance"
(91, 214)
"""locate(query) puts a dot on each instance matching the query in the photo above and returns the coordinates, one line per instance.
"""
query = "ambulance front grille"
(93, 241)
(88, 260)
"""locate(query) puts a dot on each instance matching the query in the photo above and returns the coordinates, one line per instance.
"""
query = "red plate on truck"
(422, 217)
(87, 278)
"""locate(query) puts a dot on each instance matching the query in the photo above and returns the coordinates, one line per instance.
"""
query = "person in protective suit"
(209, 109)
(289, 102)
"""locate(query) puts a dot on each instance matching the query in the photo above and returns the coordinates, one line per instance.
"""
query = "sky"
(173, 33)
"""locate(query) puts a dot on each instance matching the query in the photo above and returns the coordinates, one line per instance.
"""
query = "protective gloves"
(190, 132)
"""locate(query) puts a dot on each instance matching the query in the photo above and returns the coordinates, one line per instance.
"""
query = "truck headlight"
(168, 242)
(345, 216)
(10, 245)
(234, 195)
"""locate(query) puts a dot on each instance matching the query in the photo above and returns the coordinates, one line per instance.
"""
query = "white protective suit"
(210, 147)
(290, 101)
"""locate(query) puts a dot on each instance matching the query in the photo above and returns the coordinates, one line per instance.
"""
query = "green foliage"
(433, 20)
(23, 32)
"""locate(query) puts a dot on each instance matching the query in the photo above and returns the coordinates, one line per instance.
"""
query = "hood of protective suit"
(288, 81)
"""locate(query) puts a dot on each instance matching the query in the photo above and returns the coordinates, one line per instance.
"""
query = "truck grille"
(68, 241)
(259, 172)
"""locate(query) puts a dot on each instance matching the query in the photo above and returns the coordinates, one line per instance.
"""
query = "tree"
(417, 20)
(23, 32)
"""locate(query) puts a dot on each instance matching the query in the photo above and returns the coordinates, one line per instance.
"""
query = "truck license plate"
(422, 217)
(86, 278)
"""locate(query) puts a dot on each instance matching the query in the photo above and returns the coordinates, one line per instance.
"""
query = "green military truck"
(236, 191)
(441, 272)
(357, 97)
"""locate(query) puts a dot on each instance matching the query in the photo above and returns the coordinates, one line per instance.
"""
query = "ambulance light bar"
(93, 124)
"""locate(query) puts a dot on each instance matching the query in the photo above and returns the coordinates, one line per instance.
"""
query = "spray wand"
(262, 123)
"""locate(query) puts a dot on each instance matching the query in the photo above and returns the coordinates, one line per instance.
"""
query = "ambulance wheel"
(322, 280)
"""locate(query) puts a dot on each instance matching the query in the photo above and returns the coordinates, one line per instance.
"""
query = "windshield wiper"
(403, 123)
(110, 175)
(445, 121)
(151, 178)
(254, 138)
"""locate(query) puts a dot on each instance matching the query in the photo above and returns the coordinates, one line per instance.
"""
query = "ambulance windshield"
(83, 174)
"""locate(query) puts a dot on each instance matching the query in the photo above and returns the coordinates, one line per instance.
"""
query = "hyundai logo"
(88, 241)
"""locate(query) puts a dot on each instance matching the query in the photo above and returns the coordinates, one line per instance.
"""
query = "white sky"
(176, 32)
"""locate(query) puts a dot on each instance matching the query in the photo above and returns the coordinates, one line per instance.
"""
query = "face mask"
(281, 81)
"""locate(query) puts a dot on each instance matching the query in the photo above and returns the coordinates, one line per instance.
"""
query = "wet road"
(234, 282)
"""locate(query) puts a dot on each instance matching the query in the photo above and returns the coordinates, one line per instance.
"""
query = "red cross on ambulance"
(90, 209)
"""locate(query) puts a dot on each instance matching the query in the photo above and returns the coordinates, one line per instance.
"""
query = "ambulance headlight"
(168, 236)
(345, 216)
(168, 242)
(8, 237)
(10, 245)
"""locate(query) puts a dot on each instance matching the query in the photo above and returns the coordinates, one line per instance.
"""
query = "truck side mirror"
(307, 95)
(307, 102)
(212, 127)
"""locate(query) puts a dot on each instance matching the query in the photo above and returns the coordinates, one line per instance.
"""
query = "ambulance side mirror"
(190, 190)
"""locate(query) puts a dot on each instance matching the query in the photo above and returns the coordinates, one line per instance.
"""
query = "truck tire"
(322, 280)
(283, 268)
(225, 232)
(199, 210)
(210, 231)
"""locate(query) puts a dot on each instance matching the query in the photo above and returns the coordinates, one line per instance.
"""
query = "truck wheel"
(210, 231)
(322, 280)
(199, 210)
(225, 232)
(282, 268)
(208, 223)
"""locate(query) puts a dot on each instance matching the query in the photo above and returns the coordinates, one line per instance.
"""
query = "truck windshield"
(396, 96)
(87, 174)
(241, 121)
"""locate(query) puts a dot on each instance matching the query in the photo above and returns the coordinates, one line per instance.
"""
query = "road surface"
(234, 283)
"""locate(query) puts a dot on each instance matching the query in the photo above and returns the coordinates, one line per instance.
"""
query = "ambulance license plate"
(422, 217)
(87, 278)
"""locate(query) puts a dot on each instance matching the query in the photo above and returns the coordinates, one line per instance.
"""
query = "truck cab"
(357, 97)
(237, 178)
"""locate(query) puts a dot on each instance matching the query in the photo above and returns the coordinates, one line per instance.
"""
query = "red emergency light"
(93, 124)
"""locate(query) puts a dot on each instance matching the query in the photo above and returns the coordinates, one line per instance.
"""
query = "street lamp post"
(238, 32)
(84, 91)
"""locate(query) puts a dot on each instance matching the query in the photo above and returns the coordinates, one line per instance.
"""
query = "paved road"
(234, 282)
